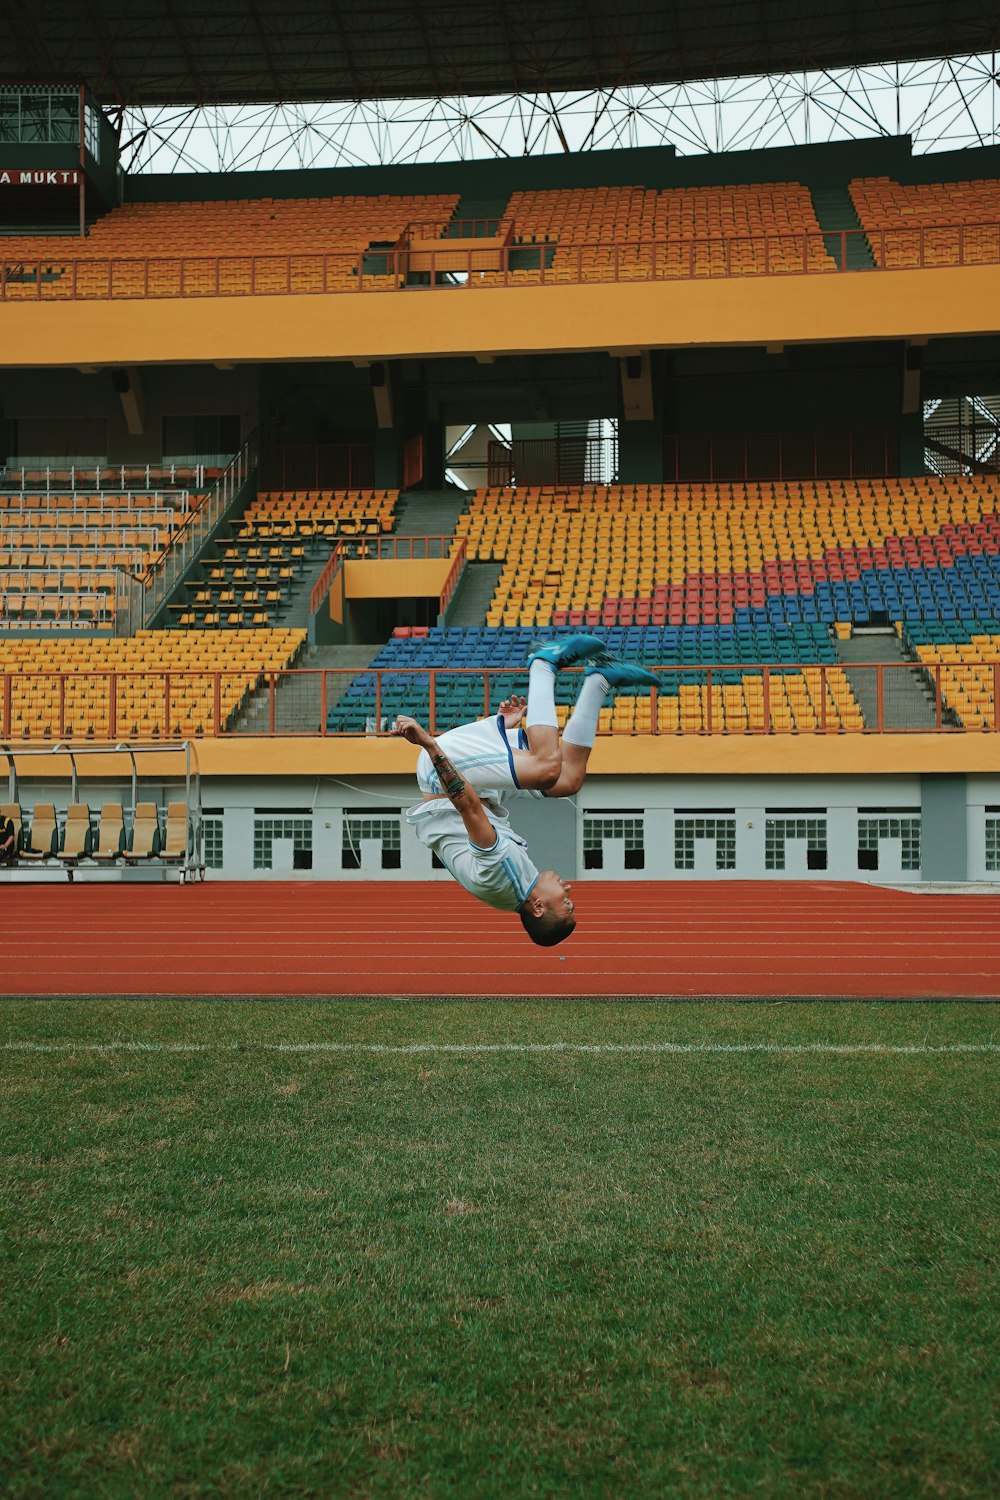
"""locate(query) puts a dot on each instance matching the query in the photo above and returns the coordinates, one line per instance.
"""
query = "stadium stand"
(614, 233)
(493, 666)
(59, 551)
(246, 578)
(260, 246)
(930, 224)
(813, 551)
(305, 514)
(731, 577)
(153, 684)
(967, 652)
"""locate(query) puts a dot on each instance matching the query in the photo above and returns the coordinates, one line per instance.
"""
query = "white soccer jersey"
(502, 876)
(483, 755)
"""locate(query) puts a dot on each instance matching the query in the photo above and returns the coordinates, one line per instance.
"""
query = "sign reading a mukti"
(46, 177)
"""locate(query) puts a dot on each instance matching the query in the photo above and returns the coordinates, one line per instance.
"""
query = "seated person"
(8, 841)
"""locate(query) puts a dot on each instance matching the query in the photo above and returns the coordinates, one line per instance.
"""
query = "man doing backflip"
(464, 773)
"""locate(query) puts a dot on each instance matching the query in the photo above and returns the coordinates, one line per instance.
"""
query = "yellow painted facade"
(620, 755)
(396, 579)
(422, 323)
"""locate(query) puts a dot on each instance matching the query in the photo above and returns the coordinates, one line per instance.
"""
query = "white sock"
(582, 726)
(541, 695)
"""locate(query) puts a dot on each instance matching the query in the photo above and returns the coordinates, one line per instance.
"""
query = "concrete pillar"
(944, 828)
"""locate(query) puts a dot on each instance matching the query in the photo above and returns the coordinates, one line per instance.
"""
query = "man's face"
(554, 893)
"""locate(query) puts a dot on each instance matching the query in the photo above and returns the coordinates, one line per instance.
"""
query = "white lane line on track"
(777, 1049)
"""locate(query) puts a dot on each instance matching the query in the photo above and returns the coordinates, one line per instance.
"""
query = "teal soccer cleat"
(567, 652)
(622, 674)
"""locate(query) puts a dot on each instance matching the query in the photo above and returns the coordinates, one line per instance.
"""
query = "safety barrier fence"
(804, 252)
(86, 507)
(94, 476)
(726, 698)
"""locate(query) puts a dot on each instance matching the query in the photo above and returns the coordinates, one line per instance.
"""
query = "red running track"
(644, 939)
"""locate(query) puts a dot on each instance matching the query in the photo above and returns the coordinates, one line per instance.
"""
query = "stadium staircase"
(430, 512)
(909, 702)
(297, 702)
(835, 212)
(474, 594)
(469, 208)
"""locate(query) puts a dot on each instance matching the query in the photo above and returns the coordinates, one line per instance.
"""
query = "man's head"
(547, 915)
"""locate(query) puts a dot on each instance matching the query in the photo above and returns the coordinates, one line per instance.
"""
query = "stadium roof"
(203, 52)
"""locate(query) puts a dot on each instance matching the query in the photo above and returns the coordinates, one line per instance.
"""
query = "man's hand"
(513, 710)
(410, 730)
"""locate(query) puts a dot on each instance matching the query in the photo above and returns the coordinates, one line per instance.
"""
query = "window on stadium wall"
(211, 842)
(38, 115)
(962, 435)
(381, 834)
(620, 837)
(715, 829)
(992, 840)
(296, 831)
(877, 827)
(529, 453)
(809, 830)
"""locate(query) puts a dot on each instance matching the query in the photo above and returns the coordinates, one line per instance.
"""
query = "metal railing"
(390, 548)
(123, 477)
(779, 252)
(163, 577)
(720, 698)
(452, 581)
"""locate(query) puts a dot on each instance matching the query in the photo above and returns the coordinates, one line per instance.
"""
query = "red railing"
(93, 706)
(321, 587)
(805, 252)
(451, 582)
(390, 548)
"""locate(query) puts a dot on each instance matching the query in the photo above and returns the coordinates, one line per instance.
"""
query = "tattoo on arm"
(451, 781)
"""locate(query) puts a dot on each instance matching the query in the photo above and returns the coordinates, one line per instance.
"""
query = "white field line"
(775, 1049)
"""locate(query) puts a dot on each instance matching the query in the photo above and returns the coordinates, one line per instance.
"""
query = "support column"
(944, 828)
(640, 419)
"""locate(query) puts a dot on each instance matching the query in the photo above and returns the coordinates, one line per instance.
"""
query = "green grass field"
(247, 1271)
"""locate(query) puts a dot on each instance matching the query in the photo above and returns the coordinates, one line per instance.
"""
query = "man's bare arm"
(458, 791)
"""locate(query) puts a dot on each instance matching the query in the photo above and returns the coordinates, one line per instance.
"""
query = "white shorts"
(482, 753)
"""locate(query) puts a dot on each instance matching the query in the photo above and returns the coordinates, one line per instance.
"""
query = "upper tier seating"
(922, 224)
(59, 551)
(266, 245)
(604, 233)
(811, 551)
(166, 682)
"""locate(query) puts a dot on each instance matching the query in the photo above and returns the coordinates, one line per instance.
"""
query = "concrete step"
(430, 512)
(295, 605)
(908, 696)
(298, 701)
(835, 212)
(474, 594)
